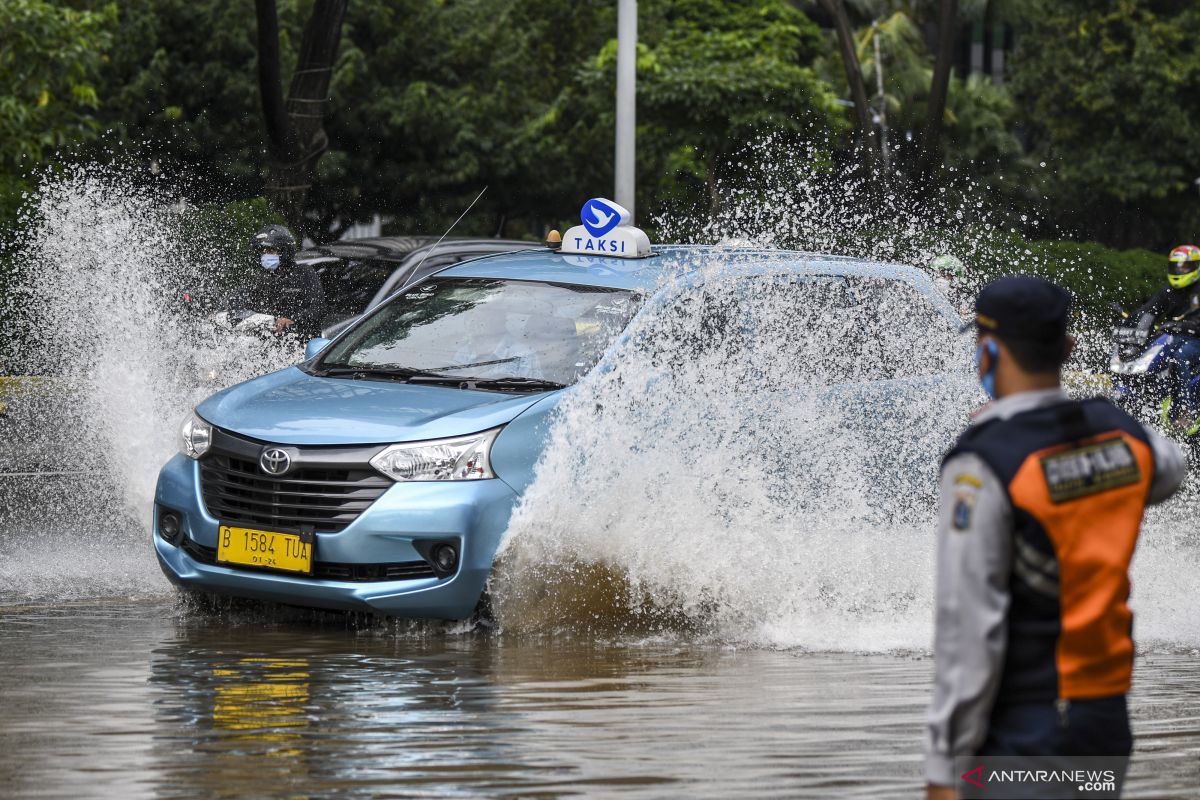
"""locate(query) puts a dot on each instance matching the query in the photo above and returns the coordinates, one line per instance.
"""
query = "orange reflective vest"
(1078, 476)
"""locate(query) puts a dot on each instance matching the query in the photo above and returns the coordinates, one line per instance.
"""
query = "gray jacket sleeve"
(1170, 466)
(974, 552)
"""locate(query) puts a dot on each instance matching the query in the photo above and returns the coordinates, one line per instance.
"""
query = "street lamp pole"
(626, 103)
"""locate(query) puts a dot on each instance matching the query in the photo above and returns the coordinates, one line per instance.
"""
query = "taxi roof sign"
(605, 231)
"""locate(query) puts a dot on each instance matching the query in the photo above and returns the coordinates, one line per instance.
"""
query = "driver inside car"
(511, 351)
(1176, 307)
(521, 343)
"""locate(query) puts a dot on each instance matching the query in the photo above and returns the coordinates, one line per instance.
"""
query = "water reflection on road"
(129, 700)
(150, 700)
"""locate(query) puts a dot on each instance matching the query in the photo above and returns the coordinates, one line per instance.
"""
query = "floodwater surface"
(154, 699)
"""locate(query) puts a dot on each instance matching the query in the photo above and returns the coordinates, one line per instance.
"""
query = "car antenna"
(447, 233)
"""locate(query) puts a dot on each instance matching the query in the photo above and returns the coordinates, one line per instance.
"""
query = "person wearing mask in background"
(288, 291)
(1041, 501)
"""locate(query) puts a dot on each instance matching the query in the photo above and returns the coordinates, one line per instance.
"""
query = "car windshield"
(488, 329)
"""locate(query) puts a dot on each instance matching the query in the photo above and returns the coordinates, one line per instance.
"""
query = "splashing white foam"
(732, 484)
(758, 463)
(714, 484)
(104, 264)
(729, 488)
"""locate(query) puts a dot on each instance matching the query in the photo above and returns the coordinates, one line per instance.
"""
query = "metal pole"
(626, 103)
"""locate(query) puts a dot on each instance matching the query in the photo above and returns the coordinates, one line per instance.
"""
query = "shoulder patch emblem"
(1088, 470)
(964, 510)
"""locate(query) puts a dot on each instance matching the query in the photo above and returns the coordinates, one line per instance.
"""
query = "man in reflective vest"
(1041, 501)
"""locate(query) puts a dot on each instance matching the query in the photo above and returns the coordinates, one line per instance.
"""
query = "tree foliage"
(979, 118)
(715, 74)
(432, 100)
(180, 89)
(50, 58)
(1109, 88)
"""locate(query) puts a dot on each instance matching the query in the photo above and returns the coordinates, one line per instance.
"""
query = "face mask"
(270, 262)
(988, 380)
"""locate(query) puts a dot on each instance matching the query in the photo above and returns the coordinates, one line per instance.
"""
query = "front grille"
(328, 570)
(327, 489)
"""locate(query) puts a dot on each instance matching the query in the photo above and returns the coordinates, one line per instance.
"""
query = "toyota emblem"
(275, 461)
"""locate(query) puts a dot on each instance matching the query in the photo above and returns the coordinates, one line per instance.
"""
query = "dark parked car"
(357, 274)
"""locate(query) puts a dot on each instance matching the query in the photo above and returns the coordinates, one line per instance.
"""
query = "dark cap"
(1022, 307)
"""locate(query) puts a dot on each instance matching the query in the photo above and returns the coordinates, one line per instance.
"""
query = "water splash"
(758, 463)
(735, 485)
(103, 264)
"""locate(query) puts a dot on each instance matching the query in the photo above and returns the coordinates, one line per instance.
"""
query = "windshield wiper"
(391, 373)
(410, 375)
(512, 382)
(477, 364)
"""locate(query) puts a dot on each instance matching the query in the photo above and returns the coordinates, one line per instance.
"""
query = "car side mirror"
(315, 345)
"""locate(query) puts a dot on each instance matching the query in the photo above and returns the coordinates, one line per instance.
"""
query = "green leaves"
(50, 59)
(1110, 90)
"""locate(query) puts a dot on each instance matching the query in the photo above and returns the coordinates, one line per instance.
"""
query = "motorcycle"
(230, 345)
(1144, 372)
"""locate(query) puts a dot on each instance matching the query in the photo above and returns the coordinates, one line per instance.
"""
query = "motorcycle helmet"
(949, 267)
(1183, 266)
(277, 238)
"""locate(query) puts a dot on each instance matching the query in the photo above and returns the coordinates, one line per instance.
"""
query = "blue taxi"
(380, 474)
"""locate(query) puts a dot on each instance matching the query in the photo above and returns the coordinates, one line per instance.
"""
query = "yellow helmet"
(1183, 266)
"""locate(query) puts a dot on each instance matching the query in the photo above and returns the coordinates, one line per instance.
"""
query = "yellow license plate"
(266, 549)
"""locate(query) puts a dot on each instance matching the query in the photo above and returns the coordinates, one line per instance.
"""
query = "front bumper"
(473, 513)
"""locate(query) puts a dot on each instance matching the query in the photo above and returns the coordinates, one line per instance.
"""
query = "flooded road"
(152, 699)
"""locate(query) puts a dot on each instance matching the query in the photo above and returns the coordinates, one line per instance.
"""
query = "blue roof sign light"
(605, 231)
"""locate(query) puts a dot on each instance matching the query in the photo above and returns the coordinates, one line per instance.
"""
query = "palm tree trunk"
(931, 139)
(854, 78)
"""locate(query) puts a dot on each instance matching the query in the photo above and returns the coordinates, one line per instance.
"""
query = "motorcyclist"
(289, 292)
(1172, 306)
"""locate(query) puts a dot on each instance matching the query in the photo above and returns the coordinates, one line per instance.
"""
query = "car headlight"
(195, 436)
(463, 458)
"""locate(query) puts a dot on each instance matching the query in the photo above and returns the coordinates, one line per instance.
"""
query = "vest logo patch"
(1090, 470)
(963, 509)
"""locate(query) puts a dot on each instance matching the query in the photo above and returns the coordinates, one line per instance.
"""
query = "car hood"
(292, 407)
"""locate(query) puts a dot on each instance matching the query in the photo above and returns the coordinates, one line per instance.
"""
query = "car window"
(350, 283)
(818, 329)
(489, 328)
(855, 329)
(723, 317)
(902, 333)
